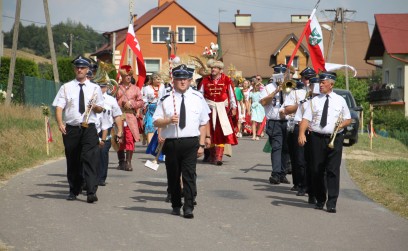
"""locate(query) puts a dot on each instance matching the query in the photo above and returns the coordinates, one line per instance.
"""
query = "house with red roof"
(167, 26)
(389, 44)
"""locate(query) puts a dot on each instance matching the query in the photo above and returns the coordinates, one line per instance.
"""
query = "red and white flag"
(133, 43)
(49, 132)
(314, 38)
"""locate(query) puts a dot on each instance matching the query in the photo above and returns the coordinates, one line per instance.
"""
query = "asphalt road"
(237, 210)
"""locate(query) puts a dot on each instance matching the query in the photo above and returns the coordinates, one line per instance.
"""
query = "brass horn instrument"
(288, 86)
(336, 130)
(101, 76)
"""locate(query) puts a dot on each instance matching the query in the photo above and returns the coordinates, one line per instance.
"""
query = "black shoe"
(175, 211)
(301, 192)
(71, 196)
(319, 205)
(218, 163)
(294, 188)
(102, 183)
(188, 213)
(274, 180)
(194, 202)
(331, 210)
(168, 198)
(91, 198)
(284, 180)
(311, 200)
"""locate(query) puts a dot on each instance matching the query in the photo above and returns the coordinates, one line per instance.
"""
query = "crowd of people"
(303, 119)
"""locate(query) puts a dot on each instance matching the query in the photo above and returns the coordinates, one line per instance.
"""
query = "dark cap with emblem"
(327, 75)
(308, 73)
(314, 80)
(81, 62)
(182, 72)
(280, 68)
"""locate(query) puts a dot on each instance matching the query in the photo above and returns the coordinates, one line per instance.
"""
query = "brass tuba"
(288, 86)
(101, 76)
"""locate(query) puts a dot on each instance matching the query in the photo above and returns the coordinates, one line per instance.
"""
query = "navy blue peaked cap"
(280, 68)
(81, 62)
(328, 75)
(183, 72)
(308, 73)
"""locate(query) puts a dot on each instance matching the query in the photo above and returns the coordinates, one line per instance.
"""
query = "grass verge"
(381, 172)
(22, 139)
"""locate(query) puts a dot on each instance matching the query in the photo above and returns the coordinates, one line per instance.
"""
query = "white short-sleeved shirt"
(149, 96)
(196, 113)
(271, 109)
(313, 112)
(111, 110)
(68, 99)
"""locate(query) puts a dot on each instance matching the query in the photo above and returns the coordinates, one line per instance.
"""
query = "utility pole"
(71, 37)
(340, 15)
(13, 54)
(51, 42)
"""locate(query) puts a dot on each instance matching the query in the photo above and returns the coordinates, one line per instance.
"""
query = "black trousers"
(299, 163)
(82, 153)
(181, 159)
(326, 168)
(276, 130)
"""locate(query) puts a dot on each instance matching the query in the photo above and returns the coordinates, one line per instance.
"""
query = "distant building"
(389, 43)
(168, 20)
(254, 47)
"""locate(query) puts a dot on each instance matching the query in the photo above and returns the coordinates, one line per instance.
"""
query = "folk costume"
(129, 98)
(220, 96)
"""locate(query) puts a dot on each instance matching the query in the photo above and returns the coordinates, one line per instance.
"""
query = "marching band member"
(111, 113)
(328, 115)
(218, 90)
(79, 133)
(294, 107)
(272, 100)
(129, 98)
(184, 142)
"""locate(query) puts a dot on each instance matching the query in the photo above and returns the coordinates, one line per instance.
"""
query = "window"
(186, 34)
(294, 62)
(152, 65)
(399, 77)
(159, 34)
(386, 76)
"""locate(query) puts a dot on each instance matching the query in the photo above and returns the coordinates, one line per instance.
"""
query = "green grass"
(381, 172)
(22, 139)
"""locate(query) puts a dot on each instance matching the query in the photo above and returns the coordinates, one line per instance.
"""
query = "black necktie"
(323, 120)
(281, 98)
(81, 100)
(182, 122)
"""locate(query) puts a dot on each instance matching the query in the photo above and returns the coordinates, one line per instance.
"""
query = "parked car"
(351, 132)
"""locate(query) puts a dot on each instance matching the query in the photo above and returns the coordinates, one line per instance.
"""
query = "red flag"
(314, 38)
(133, 43)
(49, 133)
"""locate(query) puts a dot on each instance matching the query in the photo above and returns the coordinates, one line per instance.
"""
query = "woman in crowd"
(257, 110)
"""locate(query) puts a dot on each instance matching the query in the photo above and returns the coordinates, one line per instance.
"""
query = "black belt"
(184, 138)
(89, 125)
(322, 135)
(278, 120)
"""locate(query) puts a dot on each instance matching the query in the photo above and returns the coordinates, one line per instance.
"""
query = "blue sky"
(107, 15)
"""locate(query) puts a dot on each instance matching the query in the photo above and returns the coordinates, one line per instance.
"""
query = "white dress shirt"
(68, 99)
(337, 106)
(271, 109)
(196, 113)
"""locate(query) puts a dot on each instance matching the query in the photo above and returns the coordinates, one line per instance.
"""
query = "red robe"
(219, 91)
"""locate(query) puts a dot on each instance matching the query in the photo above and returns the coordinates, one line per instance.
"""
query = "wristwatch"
(203, 146)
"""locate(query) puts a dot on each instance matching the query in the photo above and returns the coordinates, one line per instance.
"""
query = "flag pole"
(302, 35)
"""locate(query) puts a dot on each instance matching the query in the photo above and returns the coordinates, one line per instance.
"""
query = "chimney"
(161, 2)
(242, 20)
(134, 18)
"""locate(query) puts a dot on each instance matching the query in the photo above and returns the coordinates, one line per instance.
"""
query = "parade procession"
(177, 127)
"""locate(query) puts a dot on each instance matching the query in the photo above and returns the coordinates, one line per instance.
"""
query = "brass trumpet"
(336, 130)
(89, 107)
(288, 86)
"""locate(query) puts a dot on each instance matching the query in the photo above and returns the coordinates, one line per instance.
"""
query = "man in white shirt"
(327, 116)
(80, 100)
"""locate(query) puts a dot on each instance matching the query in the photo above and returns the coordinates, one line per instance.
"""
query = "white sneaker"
(239, 135)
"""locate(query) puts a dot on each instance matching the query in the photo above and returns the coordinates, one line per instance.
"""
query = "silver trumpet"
(336, 130)
(89, 107)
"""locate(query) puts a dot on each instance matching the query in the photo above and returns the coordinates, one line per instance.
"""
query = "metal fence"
(39, 91)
